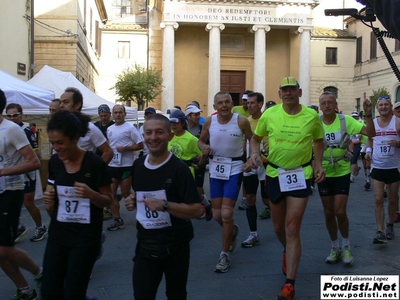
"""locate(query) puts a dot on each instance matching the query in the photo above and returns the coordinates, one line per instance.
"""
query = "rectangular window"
(91, 26)
(358, 104)
(122, 8)
(84, 13)
(396, 45)
(124, 48)
(372, 52)
(331, 56)
(359, 50)
(97, 45)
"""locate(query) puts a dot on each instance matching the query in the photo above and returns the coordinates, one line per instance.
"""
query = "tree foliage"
(377, 93)
(138, 84)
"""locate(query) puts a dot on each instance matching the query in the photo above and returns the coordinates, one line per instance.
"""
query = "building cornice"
(123, 27)
(102, 11)
(312, 3)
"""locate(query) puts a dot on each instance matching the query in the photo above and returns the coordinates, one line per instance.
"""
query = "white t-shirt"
(120, 136)
(93, 139)
(12, 139)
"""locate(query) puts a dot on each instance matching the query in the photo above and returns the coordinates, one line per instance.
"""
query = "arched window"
(331, 89)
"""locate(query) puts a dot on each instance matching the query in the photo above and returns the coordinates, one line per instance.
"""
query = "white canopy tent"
(34, 100)
(57, 81)
(35, 104)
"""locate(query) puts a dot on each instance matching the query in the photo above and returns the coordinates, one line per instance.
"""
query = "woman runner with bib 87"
(78, 189)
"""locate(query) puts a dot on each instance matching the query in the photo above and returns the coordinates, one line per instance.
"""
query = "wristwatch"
(165, 206)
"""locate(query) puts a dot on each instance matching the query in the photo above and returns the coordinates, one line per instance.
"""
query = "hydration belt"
(233, 158)
(303, 165)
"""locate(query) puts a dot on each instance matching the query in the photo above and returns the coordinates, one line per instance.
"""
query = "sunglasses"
(384, 98)
(9, 116)
(174, 120)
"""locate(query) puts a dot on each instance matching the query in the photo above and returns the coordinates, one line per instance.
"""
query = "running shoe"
(234, 237)
(287, 292)
(389, 232)
(243, 205)
(107, 214)
(40, 234)
(380, 238)
(284, 262)
(348, 259)
(117, 224)
(252, 240)
(351, 178)
(367, 186)
(32, 295)
(265, 214)
(223, 264)
(334, 256)
(396, 218)
(21, 231)
(385, 194)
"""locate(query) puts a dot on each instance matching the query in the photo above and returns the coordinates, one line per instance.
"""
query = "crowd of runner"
(282, 149)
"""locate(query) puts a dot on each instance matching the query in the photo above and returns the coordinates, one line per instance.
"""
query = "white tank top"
(226, 140)
(385, 156)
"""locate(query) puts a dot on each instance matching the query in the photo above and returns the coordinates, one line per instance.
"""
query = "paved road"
(255, 272)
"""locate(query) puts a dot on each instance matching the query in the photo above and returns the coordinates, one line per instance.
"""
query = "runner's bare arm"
(254, 155)
(130, 202)
(395, 143)
(48, 199)
(29, 163)
(244, 125)
(100, 199)
(180, 210)
(368, 145)
(369, 129)
(107, 152)
(133, 147)
(205, 134)
(319, 172)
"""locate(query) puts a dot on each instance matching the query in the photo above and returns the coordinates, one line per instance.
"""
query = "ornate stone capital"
(300, 30)
(174, 25)
(210, 26)
(260, 27)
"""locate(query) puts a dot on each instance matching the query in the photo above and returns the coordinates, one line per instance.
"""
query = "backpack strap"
(343, 127)
(343, 131)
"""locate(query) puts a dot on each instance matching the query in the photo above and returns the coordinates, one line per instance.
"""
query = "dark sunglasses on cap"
(174, 120)
(9, 116)
(383, 98)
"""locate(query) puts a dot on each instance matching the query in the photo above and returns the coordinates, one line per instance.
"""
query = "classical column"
(259, 57)
(305, 63)
(214, 63)
(168, 65)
